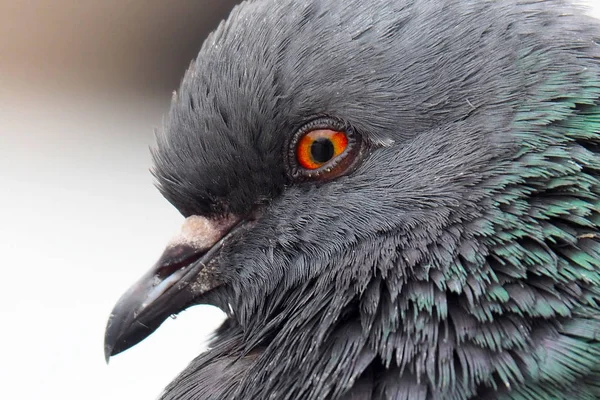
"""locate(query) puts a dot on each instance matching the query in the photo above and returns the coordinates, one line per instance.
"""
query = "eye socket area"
(323, 149)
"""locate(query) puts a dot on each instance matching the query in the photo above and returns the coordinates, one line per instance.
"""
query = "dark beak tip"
(109, 340)
(124, 328)
(108, 349)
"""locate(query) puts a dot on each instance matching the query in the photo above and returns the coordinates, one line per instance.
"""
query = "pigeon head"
(397, 194)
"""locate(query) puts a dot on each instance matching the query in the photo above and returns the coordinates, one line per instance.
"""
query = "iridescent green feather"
(554, 262)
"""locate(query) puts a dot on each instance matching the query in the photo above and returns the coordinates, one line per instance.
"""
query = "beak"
(185, 271)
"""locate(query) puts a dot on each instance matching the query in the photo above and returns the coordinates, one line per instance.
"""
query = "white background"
(80, 221)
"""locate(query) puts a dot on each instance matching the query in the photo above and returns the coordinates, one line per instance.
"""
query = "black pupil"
(321, 150)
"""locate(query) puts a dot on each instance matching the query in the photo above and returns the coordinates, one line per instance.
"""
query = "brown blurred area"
(124, 45)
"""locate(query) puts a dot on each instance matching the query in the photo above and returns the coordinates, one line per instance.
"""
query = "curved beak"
(185, 271)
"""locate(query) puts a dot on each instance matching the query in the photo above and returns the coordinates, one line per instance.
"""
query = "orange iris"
(319, 147)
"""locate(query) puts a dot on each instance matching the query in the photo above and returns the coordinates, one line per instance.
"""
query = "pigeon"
(388, 200)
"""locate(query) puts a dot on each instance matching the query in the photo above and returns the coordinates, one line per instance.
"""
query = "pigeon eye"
(323, 149)
(317, 148)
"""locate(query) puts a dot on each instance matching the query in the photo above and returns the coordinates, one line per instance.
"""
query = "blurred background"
(83, 84)
(82, 87)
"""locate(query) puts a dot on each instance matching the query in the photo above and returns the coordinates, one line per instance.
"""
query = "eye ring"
(323, 149)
